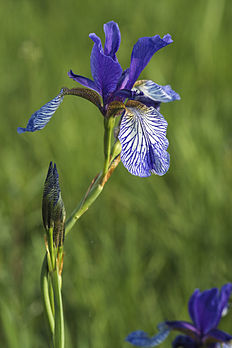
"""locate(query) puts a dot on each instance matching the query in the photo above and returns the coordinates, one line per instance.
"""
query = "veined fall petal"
(152, 90)
(143, 138)
(41, 117)
(141, 339)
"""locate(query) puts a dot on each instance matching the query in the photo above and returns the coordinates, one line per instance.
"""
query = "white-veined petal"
(41, 117)
(141, 339)
(155, 92)
(143, 139)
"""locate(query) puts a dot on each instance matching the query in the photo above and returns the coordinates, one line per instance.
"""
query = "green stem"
(51, 295)
(59, 316)
(109, 125)
(98, 183)
(83, 206)
(45, 295)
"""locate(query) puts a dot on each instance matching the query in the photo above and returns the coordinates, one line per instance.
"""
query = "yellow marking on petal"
(139, 83)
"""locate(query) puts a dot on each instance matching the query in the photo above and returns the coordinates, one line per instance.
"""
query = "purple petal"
(205, 308)
(141, 339)
(105, 71)
(191, 306)
(218, 336)
(124, 78)
(84, 81)
(155, 92)
(143, 139)
(113, 39)
(142, 53)
(185, 342)
(42, 116)
(183, 326)
(226, 291)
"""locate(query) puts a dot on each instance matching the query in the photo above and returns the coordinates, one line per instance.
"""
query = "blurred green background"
(137, 255)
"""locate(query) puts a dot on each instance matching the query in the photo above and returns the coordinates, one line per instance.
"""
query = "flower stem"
(59, 316)
(109, 125)
(91, 195)
(82, 207)
(44, 282)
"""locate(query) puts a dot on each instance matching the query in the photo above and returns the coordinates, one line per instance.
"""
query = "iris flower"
(142, 129)
(205, 309)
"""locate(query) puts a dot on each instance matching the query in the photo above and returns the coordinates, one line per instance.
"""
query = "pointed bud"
(53, 210)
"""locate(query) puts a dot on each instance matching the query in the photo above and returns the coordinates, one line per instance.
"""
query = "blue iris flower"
(142, 131)
(205, 309)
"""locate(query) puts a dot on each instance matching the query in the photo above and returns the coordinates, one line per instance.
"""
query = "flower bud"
(53, 210)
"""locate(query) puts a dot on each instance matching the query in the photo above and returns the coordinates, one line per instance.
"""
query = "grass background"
(145, 245)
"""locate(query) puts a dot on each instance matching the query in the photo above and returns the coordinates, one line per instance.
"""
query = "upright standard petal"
(141, 339)
(155, 92)
(143, 139)
(113, 39)
(105, 70)
(142, 52)
(42, 116)
(205, 308)
(84, 81)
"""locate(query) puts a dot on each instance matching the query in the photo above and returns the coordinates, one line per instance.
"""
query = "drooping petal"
(205, 308)
(157, 93)
(184, 327)
(87, 94)
(105, 70)
(113, 39)
(184, 342)
(141, 339)
(216, 335)
(143, 138)
(142, 52)
(42, 116)
(84, 81)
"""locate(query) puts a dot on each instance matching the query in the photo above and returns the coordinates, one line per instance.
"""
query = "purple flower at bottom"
(205, 309)
(142, 132)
